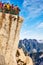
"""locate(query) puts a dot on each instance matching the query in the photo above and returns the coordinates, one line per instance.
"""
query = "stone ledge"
(7, 14)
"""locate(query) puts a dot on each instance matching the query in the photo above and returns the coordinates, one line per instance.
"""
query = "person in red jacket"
(12, 6)
(0, 5)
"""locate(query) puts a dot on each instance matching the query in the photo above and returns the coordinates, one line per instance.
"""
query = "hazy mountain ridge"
(31, 45)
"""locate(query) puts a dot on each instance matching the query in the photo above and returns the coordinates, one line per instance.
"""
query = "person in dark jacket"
(16, 10)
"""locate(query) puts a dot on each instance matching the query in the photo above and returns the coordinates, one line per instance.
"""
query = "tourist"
(0, 6)
(16, 10)
(8, 6)
(12, 6)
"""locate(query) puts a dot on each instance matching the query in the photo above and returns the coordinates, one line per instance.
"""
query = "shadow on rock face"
(2, 60)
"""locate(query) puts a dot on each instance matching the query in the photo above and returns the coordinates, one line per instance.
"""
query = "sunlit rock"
(9, 37)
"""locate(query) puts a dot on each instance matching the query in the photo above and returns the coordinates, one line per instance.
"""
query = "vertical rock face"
(23, 59)
(9, 37)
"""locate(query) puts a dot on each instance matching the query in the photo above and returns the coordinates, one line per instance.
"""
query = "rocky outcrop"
(10, 26)
(23, 59)
(9, 37)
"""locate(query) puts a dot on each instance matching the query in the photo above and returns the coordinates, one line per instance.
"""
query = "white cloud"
(24, 3)
(31, 35)
(33, 7)
(40, 25)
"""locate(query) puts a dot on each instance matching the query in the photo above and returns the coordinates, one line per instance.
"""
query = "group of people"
(7, 8)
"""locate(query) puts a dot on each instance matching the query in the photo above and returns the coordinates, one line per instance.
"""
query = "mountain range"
(31, 45)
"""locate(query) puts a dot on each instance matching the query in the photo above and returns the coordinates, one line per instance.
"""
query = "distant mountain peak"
(30, 45)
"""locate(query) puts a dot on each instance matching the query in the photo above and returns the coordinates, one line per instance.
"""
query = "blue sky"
(32, 12)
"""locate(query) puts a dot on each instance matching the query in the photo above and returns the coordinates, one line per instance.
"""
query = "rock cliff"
(9, 37)
(10, 26)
